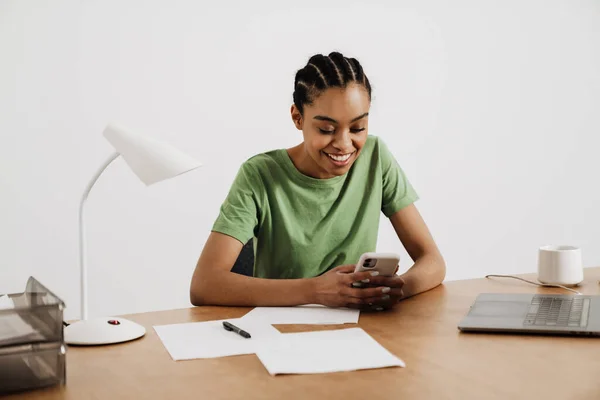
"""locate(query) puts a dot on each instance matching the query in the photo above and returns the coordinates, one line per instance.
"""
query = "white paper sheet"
(325, 351)
(209, 339)
(13, 328)
(6, 302)
(307, 314)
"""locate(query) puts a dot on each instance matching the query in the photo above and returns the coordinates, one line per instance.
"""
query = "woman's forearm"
(427, 272)
(231, 289)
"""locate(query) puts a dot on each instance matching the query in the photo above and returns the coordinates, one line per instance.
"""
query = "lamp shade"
(151, 160)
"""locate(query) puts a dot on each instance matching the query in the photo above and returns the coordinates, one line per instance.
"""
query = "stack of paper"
(290, 353)
(13, 328)
(6, 303)
(313, 314)
(325, 351)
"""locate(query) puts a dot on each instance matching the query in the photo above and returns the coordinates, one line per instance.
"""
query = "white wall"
(490, 106)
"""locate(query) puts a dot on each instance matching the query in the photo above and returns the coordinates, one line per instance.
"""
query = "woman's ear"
(296, 117)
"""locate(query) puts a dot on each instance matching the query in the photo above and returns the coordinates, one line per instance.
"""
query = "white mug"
(560, 265)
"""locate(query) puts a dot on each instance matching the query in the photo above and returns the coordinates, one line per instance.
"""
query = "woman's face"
(335, 128)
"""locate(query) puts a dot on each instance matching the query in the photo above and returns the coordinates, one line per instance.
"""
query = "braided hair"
(323, 72)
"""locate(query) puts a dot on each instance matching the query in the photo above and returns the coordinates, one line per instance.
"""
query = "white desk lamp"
(151, 161)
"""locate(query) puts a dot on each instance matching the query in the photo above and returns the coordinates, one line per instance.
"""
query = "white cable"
(535, 283)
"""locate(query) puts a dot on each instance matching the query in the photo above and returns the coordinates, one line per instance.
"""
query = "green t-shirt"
(303, 226)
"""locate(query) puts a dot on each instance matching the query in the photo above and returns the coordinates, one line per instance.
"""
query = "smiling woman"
(334, 138)
(332, 98)
(314, 209)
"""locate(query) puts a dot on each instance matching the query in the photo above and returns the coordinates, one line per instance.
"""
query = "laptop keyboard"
(558, 312)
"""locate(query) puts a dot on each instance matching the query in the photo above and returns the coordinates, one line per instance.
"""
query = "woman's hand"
(334, 289)
(395, 283)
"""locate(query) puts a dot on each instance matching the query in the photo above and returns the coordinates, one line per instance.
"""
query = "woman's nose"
(343, 141)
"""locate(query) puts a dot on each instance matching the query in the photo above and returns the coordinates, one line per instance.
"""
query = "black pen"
(230, 327)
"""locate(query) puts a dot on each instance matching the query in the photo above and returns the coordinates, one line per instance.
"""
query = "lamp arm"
(82, 247)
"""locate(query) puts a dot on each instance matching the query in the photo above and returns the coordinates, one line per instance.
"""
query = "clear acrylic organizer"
(32, 350)
(32, 366)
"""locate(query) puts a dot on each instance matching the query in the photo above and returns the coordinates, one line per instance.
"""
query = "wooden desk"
(442, 363)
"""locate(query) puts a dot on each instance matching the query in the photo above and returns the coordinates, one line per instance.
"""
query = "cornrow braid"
(323, 72)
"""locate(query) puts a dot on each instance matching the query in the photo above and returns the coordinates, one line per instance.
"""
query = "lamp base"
(104, 330)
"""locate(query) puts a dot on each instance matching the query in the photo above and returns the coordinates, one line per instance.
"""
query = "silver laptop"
(554, 314)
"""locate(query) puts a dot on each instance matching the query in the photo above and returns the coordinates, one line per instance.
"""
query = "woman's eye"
(330, 131)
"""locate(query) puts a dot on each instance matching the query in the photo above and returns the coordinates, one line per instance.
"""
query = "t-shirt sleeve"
(397, 190)
(238, 215)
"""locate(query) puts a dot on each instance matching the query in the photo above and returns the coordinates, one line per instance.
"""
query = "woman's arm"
(213, 283)
(429, 269)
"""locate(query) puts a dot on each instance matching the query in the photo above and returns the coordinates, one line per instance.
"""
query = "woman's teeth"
(343, 157)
